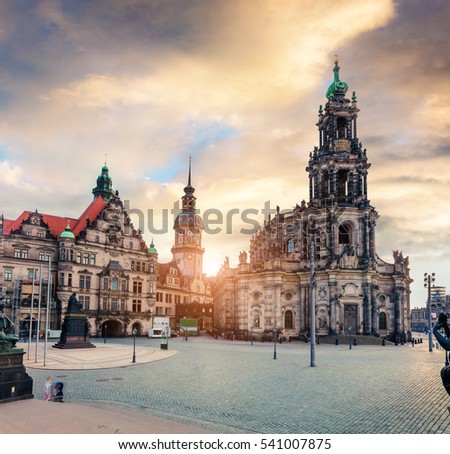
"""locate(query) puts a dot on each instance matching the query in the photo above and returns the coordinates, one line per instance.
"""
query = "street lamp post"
(312, 306)
(167, 337)
(350, 333)
(428, 282)
(134, 344)
(275, 342)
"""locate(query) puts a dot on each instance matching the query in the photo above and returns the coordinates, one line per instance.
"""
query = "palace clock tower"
(187, 250)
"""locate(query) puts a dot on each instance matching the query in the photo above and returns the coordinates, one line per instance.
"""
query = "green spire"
(67, 232)
(104, 185)
(152, 249)
(337, 88)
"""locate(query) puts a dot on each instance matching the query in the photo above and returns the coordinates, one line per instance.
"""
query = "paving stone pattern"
(234, 387)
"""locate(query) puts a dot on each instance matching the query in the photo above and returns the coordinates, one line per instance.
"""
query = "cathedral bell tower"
(338, 171)
(187, 250)
(338, 168)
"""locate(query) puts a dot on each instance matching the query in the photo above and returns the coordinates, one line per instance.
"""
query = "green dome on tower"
(338, 88)
(67, 232)
(104, 187)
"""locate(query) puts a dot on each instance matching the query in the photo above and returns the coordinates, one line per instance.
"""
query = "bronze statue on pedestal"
(445, 344)
(8, 336)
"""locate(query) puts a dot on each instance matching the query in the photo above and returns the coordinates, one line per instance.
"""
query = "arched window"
(382, 322)
(288, 320)
(290, 246)
(344, 234)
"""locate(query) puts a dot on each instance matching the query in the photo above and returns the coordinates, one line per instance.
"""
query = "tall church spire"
(190, 165)
(188, 200)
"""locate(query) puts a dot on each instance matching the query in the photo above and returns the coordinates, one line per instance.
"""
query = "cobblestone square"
(236, 387)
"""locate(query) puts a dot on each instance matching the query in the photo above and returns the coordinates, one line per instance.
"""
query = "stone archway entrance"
(138, 328)
(112, 328)
(24, 327)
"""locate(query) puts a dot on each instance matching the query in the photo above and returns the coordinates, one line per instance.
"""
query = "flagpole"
(31, 316)
(49, 284)
(38, 314)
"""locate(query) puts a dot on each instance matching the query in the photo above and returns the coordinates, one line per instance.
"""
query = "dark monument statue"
(15, 383)
(445, 344)
(75, 328)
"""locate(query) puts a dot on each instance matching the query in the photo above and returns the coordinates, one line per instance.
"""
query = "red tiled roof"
(163, 269)
(91, 212)
(57, 224)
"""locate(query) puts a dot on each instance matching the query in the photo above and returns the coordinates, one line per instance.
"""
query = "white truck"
(53, 333)
(161, 327)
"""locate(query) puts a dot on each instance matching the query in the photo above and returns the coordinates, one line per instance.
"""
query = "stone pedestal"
(74, 333)
(15, 383)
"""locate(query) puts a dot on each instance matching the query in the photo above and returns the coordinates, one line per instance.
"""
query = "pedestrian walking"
(48, 389)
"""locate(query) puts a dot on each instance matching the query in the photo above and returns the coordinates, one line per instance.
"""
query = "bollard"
(337, 341)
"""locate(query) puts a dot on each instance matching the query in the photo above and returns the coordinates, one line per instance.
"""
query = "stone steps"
(360, 340)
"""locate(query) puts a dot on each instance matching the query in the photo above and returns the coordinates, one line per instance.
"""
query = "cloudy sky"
(237, 85)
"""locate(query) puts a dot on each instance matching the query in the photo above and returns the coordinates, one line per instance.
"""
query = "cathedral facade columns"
(303, 307)
(374, 307)
(333, 309)
(398, 311)
(367, 318)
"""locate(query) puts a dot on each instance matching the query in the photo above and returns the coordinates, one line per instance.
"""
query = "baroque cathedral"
(330, 238)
